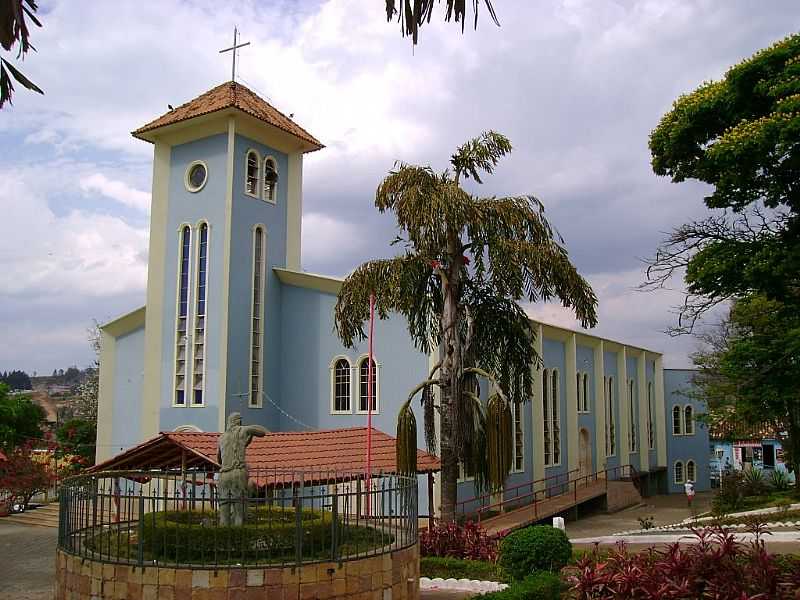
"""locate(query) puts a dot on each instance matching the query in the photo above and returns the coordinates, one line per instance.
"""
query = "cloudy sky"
(576, 84)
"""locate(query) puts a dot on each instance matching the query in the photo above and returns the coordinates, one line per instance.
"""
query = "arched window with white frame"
(340, 386)
(519, 442)
(552, 421)
(691, 471)
(363, 385)
(257, 318)
(678, 473)
(688, 419)
(633, 442)
(270, 187)
(201, 287)
(252, 173)
(181, 325)
(651, 438)
(585, 394)
(611, 432)
(677, 421)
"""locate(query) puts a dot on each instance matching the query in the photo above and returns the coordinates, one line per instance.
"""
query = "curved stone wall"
(390, 576)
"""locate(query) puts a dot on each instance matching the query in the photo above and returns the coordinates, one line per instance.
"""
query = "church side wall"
(586, 420)
(677, 385)
(127, 392)
(309, 347)
(610, 370)
(248, 212)
(191, 208)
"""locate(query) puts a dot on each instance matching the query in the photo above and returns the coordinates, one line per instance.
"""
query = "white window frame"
(517, 416)
(258, 403)
(187, 184)
(187, 355)
(680, 420)
(585, 383)
(196, 288)
(257, 154)
(682, 480)
(686, 470)
(551, 400)
(332, 369)
(376, 375)
(274, 199)
(686, 422)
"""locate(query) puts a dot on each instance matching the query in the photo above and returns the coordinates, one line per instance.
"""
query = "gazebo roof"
(336, 450)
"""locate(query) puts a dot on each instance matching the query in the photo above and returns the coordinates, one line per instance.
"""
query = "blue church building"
(233, 324)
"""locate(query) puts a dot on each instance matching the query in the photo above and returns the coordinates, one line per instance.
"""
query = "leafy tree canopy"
(78, 436)
(467, 263)
(741, 135)
(751, 364)
(20, 419)
(16, 380)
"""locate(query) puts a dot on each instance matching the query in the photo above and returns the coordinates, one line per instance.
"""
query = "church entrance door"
(584, 454)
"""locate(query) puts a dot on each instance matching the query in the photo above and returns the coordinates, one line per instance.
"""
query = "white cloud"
(326, 240)
(116, 190)
(67, 258)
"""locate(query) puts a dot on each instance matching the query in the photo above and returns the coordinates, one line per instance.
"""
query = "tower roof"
(230, 95)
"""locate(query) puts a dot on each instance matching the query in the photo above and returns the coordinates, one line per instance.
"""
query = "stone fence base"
(391, 576)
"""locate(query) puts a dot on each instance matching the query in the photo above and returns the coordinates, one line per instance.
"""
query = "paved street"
(27, 561)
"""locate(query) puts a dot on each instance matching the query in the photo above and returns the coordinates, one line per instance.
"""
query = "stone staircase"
(44, 515)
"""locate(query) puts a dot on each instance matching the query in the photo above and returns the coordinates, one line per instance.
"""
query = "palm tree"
(413, 17)
(467, 263)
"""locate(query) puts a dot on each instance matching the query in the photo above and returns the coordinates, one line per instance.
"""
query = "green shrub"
(539, 586)
(755, 484)
(538, 548)
(730, 495)
(779, 480)
(268, 535)
(457, 568)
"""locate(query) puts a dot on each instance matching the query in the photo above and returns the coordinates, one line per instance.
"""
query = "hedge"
(457, 568)
(539, 586)
(537, 548)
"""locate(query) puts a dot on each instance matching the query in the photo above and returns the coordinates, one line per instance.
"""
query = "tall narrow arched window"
(611, 433)
(678, 477)
(363, 385)
(579, 393)
(252, 175)
(554, 412)
(688, 420)
(198, 354)
(519, 442)
(270, 190)
(633, 444)
(340, 386)
(547, 433)
(181, 332)
(691, 471)
(257, 319)
(677, 429)
(650, 432)
(585, 384)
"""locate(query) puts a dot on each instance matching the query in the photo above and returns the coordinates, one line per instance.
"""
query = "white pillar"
(571, 368)
(624, 408)
(599, 407)
(660, 410)
(537, 413)
(641, 393)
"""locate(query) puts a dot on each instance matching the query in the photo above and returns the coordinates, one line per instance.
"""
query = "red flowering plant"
(25, 473)
(715, 565)
(467, 541)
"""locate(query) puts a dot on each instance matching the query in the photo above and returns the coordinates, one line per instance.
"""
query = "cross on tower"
(233, 49)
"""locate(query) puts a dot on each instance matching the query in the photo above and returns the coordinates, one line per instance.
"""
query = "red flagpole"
(370, 376)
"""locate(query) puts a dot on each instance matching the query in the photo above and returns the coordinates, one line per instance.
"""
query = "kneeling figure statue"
(232, 488)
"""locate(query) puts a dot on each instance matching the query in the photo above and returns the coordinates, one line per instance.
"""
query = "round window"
(196, 176)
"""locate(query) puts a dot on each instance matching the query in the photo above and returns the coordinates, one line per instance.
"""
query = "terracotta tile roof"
(341, 450)
(230, 95)
(726, 425)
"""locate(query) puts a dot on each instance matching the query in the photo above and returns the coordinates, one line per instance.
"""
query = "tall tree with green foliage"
(468, 262)
(20, 419)
(741, 135)
(752, 365)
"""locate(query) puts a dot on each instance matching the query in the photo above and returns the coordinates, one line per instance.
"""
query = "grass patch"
(457, 568)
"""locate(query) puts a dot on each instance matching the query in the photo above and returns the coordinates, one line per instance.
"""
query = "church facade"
(232, 324)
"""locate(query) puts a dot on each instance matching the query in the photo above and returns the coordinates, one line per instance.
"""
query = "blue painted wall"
(186, 207)
(309, 346)
(677, 383)
(247, 213)
(128, 380)
(555, 358)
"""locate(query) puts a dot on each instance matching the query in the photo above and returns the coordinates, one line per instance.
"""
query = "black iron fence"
(289, 517)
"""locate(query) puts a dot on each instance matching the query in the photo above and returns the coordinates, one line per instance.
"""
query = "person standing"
(689, 489)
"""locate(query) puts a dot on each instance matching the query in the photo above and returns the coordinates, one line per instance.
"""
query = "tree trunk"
(451, 378)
